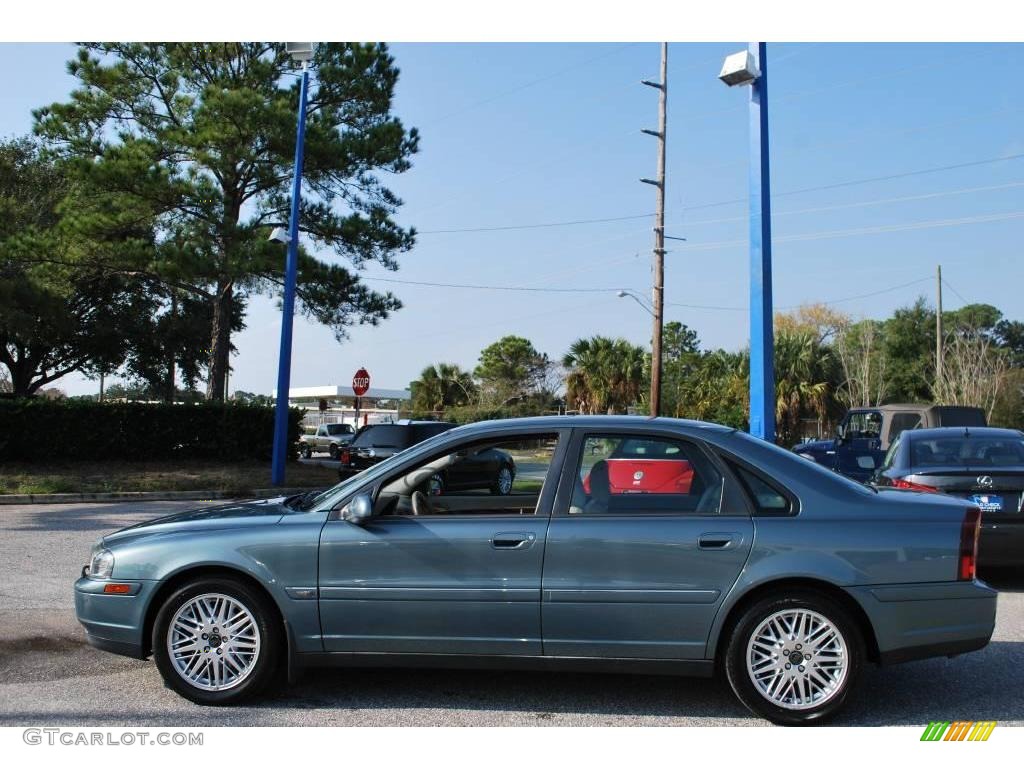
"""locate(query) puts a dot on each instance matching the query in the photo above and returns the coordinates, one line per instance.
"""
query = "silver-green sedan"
(624, 544)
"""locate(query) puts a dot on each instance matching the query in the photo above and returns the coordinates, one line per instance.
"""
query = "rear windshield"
(967, 452)
(339, 429)
(384, 435)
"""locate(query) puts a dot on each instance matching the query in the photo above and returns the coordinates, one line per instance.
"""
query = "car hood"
(234, 515)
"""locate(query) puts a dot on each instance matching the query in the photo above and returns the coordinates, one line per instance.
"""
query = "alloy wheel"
(797, 659)
(213, 642)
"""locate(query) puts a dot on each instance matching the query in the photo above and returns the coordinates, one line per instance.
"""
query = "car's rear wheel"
(216, 641)
(794, 658)
(335, 452)
(503, 482)
(307, 452)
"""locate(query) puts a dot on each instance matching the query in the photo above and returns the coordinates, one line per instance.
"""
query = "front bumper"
(917, 621)
(114, 623)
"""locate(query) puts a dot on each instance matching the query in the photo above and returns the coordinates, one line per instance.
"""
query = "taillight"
(909, 486)
(969, 532)
(345, 456)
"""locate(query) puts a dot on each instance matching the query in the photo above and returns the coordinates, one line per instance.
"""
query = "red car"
(647, 466)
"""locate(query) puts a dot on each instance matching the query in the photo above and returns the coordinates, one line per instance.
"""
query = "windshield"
(329, 499)
(384, 436)
(968, 451)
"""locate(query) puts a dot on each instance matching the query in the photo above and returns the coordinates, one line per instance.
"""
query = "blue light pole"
(284, 363)
(750, 67)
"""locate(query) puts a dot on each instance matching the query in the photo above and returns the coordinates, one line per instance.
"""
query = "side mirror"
(358, 510)
(840, 433)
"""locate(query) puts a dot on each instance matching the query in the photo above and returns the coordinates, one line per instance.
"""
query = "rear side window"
(901, 421)
(768, 499)
(644, 475)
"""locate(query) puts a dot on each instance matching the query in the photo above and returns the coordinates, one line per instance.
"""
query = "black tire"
(267, 623)
(307, 452)
(742, 630)
(496, 488)
(335, 452)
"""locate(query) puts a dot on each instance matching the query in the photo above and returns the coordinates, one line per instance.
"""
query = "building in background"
(336, 404)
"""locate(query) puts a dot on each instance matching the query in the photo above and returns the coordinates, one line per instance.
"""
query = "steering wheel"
(421, 504)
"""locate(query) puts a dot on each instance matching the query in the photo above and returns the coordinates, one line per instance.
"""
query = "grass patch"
(118, 476)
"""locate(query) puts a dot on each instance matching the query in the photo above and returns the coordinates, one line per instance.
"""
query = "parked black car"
(376, 442)
(984, 465)
(489, 469)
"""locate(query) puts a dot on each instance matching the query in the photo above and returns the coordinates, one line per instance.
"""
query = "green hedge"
(66, 430)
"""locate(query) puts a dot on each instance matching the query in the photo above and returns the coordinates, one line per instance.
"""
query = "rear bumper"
(917, 621)
(113, 622)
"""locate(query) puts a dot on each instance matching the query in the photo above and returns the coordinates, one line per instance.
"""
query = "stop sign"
(361, 382)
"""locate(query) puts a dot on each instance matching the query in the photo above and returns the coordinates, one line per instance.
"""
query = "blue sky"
(538, 133)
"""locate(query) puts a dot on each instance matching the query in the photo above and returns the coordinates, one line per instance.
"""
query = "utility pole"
(658, 266)
(938, 330)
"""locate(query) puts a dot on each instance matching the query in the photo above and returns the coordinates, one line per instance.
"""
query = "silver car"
(625, 544)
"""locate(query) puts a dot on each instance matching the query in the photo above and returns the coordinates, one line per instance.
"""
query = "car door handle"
(717, 540)
(512, 540)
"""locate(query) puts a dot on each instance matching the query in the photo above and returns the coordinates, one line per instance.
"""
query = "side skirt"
(680, 667)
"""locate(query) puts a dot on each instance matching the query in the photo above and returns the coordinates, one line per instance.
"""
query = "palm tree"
(604, 374)
(441, 386)
(804, 369)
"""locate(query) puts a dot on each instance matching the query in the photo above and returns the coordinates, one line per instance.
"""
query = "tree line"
(134, 222)
(825, 362)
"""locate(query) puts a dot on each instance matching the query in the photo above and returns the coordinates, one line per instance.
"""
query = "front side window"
(864, 424)
(627, 474)
(503, 476)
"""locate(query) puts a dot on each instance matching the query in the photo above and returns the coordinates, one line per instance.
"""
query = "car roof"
(591, 422)
(938, 432)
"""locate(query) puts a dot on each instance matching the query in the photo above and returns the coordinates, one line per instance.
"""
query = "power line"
(719, 203)
(866, 203)
(542, 225)
(478, 287)
(530, 84)
(885, 228)
(866, 180)
(830, 302)
(945, 282)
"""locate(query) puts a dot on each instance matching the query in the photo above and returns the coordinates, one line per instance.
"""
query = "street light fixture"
(629, 294)
(750, 67)
(301, 53)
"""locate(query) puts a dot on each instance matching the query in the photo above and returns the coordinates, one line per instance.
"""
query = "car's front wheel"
(216, 641)
(793, 658)
(502, 485)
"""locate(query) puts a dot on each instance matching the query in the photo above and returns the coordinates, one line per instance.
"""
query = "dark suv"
(376, 442)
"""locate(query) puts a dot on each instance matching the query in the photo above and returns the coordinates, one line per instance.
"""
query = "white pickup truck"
(328, 437)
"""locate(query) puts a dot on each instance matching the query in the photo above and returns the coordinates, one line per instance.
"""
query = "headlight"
(102, 564)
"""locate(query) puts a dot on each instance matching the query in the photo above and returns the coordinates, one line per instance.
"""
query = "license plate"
(987, 502)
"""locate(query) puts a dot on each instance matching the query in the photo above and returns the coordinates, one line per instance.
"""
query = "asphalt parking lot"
(49, 675)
